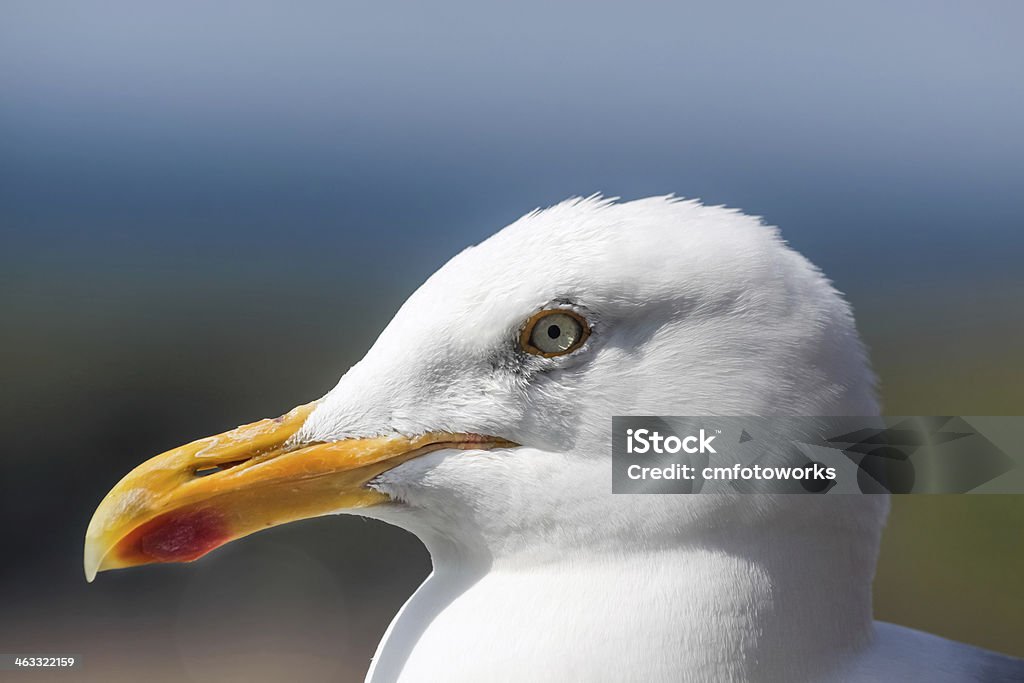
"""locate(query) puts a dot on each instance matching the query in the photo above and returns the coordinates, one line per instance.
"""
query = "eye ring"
(554, 332)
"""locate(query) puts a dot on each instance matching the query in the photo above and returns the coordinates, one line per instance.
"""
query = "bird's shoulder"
(905, 654)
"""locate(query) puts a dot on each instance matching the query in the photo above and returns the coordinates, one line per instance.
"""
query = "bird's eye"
(554, 333)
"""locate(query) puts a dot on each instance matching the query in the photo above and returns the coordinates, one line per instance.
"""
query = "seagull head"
(481, 417)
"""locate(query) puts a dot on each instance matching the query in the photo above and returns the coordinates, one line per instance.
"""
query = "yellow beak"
(182, 504)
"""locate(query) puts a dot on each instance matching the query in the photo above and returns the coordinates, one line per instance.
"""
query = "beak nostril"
(207, 470)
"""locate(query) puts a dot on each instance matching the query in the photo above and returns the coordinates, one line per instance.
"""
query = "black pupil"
(554, 331)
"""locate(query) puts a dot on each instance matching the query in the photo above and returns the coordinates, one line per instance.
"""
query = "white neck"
(751, 603)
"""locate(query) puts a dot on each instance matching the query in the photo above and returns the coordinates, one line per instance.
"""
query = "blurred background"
(209, 210)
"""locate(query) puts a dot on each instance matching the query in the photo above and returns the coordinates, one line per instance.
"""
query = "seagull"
(480, 421)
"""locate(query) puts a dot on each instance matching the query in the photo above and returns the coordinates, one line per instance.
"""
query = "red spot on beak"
(179, 536)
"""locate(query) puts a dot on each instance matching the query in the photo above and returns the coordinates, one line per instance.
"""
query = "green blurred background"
(207, 213)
